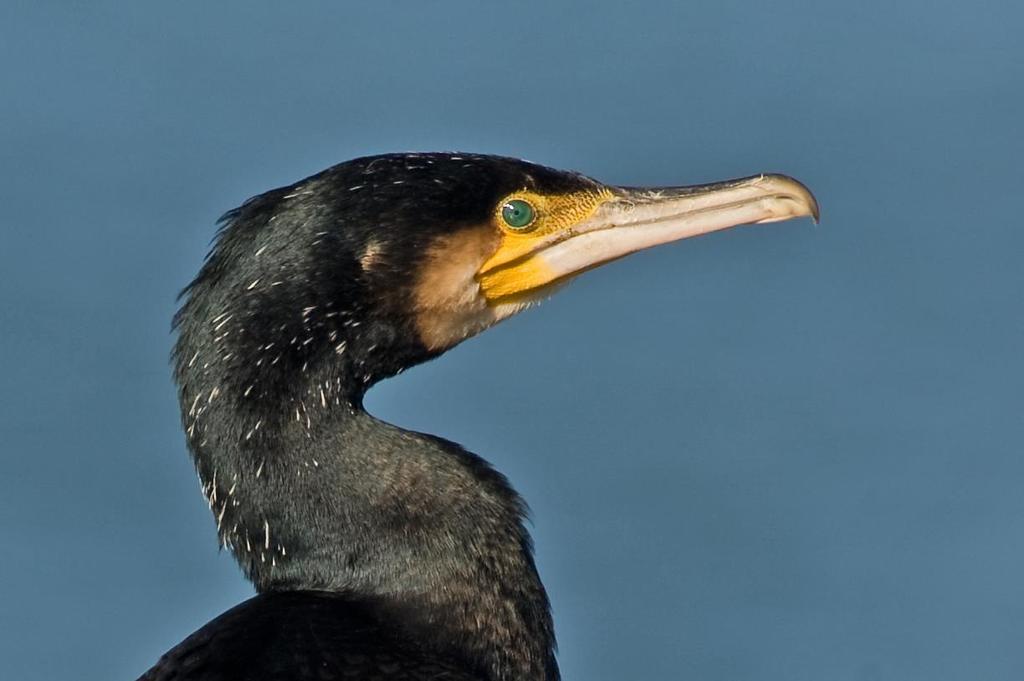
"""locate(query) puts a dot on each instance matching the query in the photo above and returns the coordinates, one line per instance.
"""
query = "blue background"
(785, 452)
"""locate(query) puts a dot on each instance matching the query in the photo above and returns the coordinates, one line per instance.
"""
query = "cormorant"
(376, 552)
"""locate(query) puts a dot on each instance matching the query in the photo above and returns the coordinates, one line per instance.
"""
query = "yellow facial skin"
(575, 232)
(511, 271)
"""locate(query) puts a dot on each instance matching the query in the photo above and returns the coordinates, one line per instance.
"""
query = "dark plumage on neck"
(300, 307)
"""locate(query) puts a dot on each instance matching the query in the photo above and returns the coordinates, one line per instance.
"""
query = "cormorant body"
(376, 552)
(303, 635)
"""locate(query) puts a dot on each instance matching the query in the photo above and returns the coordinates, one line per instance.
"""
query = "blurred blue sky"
(786, 452)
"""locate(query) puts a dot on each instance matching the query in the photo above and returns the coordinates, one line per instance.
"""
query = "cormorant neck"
(311, 492)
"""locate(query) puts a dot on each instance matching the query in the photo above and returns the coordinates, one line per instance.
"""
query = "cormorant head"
(314, 291)
(389, 260)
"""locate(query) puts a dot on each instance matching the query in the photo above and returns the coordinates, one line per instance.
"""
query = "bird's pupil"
(517, 214)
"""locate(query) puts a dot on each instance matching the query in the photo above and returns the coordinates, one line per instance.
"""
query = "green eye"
(518, 214)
